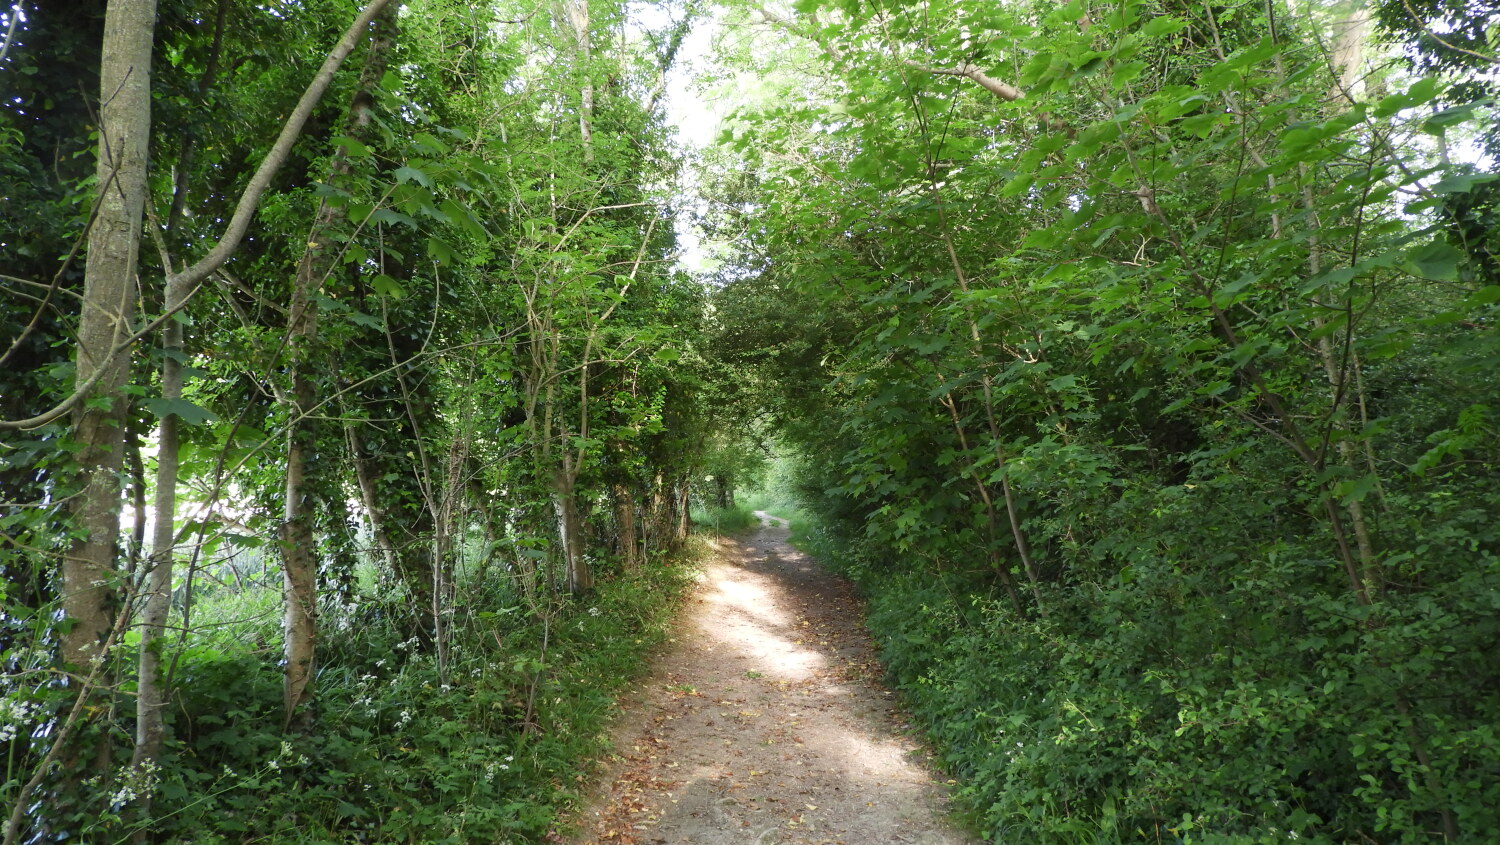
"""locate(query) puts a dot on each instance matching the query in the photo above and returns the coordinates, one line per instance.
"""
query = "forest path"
(765, 721)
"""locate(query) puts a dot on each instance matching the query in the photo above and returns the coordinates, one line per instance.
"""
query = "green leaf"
(359, 318)
(334, 196)
(390, 216)
(429, 143)
(440, 251)
(1204, 124)
(1438, 260)
(1420, 93)
(351, 147)
(1354, 490)
(1253, 55)
(1163, 25)
(387, 286)
(1127, 73)
(181, 408)
(1485, 295)
(1462, 183)
(460, 214)
(413, 174)
(1439, 123)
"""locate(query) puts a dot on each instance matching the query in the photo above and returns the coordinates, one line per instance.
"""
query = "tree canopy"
(1136, 358)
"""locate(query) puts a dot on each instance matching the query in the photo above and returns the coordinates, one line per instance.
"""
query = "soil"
(765, 721)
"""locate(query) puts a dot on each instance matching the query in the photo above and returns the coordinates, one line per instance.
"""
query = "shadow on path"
(765, 722)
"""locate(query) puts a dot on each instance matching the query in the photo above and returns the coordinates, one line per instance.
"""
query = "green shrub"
(1202, 677)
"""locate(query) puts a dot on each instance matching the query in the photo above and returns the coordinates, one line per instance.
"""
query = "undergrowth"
(732, 520)
(1152, 709)
(493, 750)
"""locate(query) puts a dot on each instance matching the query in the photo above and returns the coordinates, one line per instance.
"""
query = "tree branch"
(193, 277)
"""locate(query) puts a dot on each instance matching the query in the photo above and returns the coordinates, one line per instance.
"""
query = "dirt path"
(765, 722)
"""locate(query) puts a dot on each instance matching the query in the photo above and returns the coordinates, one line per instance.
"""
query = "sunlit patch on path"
(766, 722)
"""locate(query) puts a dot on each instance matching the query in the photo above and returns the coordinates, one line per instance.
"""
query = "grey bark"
(577, 14)
(88, 567)
(151, 697)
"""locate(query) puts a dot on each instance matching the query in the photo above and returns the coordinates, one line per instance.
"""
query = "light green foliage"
(736, 520)
(1144, 389)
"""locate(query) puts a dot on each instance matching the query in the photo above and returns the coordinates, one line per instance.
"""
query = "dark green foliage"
(1211, 685)
(493, 330)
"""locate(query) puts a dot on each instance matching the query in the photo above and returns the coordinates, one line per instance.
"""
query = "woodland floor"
(765, 721)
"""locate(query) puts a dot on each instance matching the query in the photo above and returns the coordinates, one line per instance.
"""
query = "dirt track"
(766, 723)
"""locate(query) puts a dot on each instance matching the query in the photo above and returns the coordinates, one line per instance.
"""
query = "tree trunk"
(401, 531)
(299, 554)
(151, 697)
(580, 577)
(684, 510)
(625, 526)
(577, 14)
(992, 519)
(1351, 32)
(364, 474)
(661, 514)
(88, 567)
(446, 528)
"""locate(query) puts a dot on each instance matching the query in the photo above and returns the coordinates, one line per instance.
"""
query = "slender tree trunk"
(364, 475)
(624, 500)
(151, 697)
(299, 553)
(136, 469)
(661, 513)
(684, 510)
(1012, 509)
(157, 603)
(1366, 581)
(445, 529)
(992, 520)
(580, 576)
(1350, 35)
(401, 529)
(577, 14)
(88, 567)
